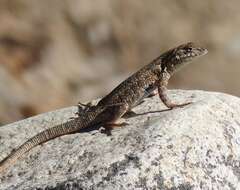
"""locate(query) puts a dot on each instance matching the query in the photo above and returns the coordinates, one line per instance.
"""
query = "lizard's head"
(175, 58)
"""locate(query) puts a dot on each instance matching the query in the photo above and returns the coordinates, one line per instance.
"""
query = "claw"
(172, 106)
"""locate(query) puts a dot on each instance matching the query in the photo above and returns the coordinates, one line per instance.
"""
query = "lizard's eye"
(189, 49)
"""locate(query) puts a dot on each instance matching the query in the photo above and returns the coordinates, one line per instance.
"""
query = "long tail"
(42, 137)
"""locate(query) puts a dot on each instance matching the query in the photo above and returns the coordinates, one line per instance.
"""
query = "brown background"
(56, 53)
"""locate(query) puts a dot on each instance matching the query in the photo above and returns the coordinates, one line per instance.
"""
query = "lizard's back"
(133, 89)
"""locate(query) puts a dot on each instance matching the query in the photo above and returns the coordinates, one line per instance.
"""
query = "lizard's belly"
(143, 94)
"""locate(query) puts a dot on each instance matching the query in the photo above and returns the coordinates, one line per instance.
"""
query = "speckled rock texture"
(195, 147)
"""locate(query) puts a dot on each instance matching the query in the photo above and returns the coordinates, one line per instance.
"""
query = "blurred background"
(56, 53)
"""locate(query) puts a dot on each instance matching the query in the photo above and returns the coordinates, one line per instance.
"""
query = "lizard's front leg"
(162, 91)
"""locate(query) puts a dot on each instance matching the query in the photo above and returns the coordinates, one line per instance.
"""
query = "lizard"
(128, 94)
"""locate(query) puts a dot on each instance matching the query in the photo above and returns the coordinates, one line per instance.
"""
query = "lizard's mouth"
(184, 56)
(188, 56)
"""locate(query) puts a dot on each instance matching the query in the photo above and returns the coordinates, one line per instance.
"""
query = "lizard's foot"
(71, 118)
(129, 114)
(106, 131)
(172, 106)
(83, 108)
(108, 127)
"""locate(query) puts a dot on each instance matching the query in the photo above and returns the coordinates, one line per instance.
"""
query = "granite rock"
(195, 147)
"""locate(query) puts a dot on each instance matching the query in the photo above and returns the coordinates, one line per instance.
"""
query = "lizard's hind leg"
(82, 109)
(113, 117)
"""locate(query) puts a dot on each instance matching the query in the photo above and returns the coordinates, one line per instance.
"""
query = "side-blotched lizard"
(122, 99)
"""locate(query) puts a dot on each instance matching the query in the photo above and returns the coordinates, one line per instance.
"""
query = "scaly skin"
(153, 76)
(90, 117)
(122, 99)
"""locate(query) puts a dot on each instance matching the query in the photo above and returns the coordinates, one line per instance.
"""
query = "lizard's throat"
(175, 67)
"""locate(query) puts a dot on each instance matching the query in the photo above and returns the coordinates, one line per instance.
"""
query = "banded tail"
(42, 137)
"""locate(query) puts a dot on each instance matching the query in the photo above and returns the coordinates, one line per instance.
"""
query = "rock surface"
(53, 52)
(195, 147)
